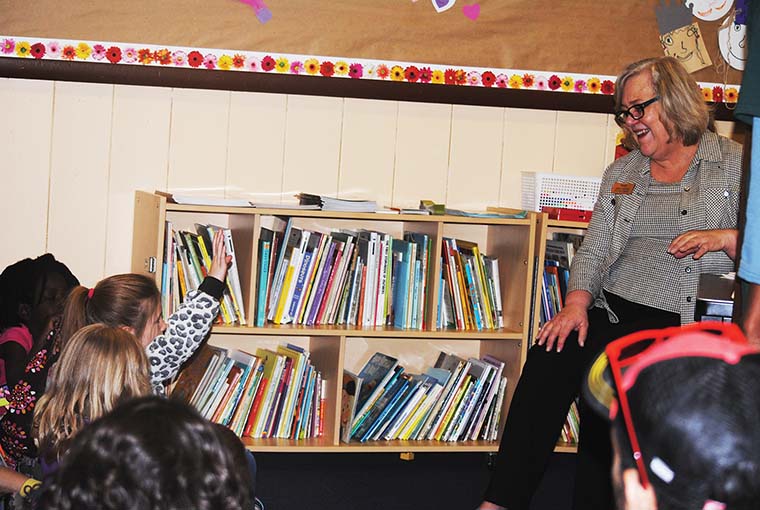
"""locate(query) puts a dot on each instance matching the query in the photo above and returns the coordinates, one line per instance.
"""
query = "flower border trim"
(337, 67)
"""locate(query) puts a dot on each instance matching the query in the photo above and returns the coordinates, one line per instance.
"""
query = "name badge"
(623, 188)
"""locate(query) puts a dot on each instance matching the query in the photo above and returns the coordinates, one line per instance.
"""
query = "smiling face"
(684, 45)
(732, 41)
(649, 131)
(710, 10)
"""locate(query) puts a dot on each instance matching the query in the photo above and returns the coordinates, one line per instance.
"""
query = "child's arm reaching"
(188, 327)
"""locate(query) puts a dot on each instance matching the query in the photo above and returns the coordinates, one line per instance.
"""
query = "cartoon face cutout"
(732, 41)
(684, 44)
(709, 10)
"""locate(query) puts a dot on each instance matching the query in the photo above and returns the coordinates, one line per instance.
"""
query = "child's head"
(32, 291)
(99, 366)
(124, 300)
(150, 453)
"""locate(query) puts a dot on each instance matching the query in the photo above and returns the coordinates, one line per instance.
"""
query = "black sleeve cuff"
(212, 287)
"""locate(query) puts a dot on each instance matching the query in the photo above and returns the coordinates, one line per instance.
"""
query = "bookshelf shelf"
(290, 330)
(511, 242)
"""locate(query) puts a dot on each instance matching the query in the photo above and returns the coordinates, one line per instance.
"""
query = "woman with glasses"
(666, 213)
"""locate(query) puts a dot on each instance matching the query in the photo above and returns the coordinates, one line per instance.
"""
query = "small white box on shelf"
(561, 191)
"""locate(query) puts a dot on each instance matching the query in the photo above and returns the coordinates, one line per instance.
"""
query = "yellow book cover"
(483, 292)
(282, 303)
(299, 363)
(466, 308)
(226, 315)
(453, 407)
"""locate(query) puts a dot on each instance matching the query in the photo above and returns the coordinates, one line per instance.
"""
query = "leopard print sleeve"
(186, 330)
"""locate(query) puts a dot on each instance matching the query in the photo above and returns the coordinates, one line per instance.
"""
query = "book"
(243, 410)
(233, 275)
(299, 358)
(388, 391)
(395, 404)
(412, 428)
(266, 238)
(489, 393)
(375, 373)
(205, 243)
(273, 364)
(192, 374)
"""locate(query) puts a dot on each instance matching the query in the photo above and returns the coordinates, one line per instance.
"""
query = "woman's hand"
(572, 317)
(699, 242)
(220, 260)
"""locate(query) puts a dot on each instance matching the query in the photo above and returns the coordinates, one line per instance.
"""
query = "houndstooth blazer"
(714, 205)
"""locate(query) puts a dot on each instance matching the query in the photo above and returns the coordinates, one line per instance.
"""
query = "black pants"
(548, 384)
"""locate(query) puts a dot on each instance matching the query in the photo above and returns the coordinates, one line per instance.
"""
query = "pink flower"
(252, 64)
(356, 70)
(8, 46)
(580, 85)
(130, 55)
(473, 78)
(54, 49)
(296, 67)
(501, 81)
(541, 83)
(98, 52)
(425, 74)
(209, 61)
(179, 58)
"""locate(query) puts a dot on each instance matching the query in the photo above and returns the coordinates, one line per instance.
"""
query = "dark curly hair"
(153, 454)
(22, 282)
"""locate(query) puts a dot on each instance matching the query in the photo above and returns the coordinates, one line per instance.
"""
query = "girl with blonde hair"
(99, 367)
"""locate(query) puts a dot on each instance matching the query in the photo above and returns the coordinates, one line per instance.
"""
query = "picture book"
(374, 375)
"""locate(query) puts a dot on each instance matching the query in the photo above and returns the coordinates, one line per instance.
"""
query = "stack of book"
(187, 261)
(456, 400)
(570, 434)
(470, 290)
(557, 259)
(354, 278)
(264, 395)
(337, 204)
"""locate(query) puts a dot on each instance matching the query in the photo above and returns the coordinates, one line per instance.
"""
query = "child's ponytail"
(75, 312)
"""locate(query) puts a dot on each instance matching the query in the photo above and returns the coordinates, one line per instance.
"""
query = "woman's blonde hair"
(99, 367)
(685, 114)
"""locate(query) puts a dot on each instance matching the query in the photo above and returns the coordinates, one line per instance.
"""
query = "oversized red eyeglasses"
(631, 354)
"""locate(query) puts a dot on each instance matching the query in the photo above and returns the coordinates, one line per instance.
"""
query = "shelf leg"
(409, 456)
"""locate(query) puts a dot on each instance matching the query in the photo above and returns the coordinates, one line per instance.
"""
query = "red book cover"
(329, 287)
(276, 412)
(255, 407)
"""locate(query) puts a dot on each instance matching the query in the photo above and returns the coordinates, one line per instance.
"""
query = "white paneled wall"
(73, 154)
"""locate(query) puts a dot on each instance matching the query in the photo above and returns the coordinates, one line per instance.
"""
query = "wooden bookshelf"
(335, 348)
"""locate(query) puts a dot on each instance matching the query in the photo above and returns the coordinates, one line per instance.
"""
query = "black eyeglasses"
(635, 112)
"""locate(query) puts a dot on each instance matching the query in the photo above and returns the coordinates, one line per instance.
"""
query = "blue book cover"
(394, 385)
(390, 411)
(265, 247)
(397, 406)
(304, 272)
(401, 249)
(472, 292)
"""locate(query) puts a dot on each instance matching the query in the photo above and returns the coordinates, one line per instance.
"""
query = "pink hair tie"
(90, 293)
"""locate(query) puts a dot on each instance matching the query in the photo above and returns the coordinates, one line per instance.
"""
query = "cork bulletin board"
(492, 43)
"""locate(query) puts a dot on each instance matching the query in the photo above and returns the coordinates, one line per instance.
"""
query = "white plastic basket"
(562, 191)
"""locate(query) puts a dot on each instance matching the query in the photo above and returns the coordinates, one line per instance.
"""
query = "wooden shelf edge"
(317, 446)
(289, 330)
